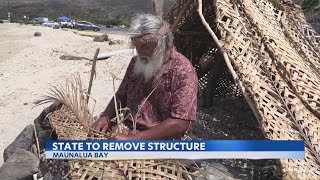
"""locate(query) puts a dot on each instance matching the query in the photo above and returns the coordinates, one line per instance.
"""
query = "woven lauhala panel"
(134, 169)
(280, 81)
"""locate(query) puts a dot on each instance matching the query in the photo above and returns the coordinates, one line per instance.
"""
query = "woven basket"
(65, 124)
(134, 169)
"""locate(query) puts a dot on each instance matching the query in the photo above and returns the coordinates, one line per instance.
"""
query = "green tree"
(311, 8)
(310, 4)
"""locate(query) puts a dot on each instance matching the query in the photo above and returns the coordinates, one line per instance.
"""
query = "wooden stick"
(36, 137)
(227, 60)
(115, 103)
(93, 73)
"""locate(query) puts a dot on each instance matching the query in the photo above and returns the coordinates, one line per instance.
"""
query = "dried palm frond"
(72, 95)
(114, 77)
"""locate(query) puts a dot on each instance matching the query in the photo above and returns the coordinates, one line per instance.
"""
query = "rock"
(51, 169)
(112, 43)
(213, 171)
(120, 42)
(22, 155)
(43, 136)
(22, 164)
(41, 122)
(37, 34)
(43, 127)
(23, 141)
(102, 38)
(49, 176)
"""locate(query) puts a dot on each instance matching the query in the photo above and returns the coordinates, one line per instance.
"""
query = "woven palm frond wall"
(275, 55)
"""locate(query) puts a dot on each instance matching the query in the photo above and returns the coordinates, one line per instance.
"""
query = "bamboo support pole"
(228, 63)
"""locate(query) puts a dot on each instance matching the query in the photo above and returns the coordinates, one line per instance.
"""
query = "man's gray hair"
(148, 24)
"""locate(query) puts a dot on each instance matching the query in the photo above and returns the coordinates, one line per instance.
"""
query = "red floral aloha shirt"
(174, 96)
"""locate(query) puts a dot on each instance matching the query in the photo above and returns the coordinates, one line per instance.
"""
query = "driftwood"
(101, 56)
(114, 53)
(68, 57)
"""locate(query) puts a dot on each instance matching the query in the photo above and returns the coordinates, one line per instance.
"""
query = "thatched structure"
(259, 50)
(265, 51)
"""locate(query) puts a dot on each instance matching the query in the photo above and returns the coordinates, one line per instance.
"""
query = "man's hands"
(167, 129)
(101, 124)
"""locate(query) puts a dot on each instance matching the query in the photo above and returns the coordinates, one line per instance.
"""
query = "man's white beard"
(148, 67)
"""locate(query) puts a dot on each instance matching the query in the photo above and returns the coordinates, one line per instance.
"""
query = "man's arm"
(183, 108)
(102, 123)
(167, 129)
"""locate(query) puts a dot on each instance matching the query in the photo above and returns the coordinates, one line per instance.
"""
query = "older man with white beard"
(159, 87)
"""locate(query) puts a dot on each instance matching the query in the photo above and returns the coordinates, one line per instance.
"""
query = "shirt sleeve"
(121, 93)
(184, 97)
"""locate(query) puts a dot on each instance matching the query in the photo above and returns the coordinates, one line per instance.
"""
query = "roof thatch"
(268, 54)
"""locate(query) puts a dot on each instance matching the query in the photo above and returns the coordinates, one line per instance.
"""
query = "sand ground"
(30, 65)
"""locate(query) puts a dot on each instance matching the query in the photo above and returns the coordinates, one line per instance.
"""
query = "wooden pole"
(157, 7)
(93, 72)
(228, 62)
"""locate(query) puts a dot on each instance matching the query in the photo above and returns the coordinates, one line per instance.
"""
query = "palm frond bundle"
(72, 95)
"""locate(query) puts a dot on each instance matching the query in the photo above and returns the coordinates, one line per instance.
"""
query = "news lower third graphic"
(174, 149)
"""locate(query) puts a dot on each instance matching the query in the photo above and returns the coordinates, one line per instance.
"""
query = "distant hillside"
(100, 11)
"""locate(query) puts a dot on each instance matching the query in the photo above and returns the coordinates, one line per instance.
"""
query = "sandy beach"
(30, 65)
